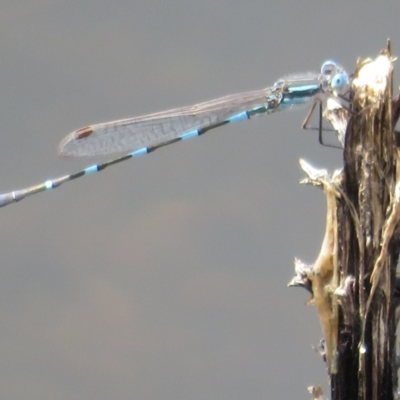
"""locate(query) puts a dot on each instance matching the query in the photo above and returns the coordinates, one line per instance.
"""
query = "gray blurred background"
(164, 278)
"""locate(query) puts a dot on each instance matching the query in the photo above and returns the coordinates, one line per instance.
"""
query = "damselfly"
(142, 135)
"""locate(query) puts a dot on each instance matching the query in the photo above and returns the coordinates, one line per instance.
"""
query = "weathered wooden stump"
(353, 280)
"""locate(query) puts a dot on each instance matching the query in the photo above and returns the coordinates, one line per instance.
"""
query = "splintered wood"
(353, 281)
(321, 278)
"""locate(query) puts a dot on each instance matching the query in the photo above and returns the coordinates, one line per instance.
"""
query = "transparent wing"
(151, 130)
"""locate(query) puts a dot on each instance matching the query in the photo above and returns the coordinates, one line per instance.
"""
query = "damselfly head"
(334, 78)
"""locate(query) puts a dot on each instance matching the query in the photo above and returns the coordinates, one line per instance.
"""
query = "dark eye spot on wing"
(83, 133)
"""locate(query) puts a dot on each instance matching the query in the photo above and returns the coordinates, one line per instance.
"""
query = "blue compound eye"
(339, 82)
(328, 67)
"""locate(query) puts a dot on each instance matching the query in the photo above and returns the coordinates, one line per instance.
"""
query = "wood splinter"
(321, 278)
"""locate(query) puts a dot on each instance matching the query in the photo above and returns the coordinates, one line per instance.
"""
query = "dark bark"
(368, 250)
